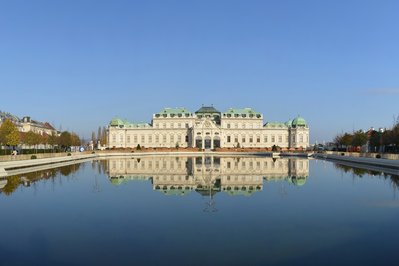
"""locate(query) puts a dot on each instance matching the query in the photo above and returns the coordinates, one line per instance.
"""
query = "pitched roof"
(176, 110)
(240, 111)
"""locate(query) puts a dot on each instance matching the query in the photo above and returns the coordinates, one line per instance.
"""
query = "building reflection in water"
(208, 175)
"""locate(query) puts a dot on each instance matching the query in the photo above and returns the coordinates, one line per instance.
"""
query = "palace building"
(208, 128)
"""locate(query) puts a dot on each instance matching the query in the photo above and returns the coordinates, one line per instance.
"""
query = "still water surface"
(200, 211)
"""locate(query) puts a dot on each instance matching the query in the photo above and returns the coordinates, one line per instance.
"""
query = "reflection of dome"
(299, 122)
(298, 180)
(206, 192)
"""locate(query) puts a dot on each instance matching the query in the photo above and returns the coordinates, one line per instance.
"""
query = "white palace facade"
(208, 128)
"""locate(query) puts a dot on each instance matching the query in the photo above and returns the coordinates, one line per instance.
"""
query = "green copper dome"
(288, 123)
(116, 122)
(299, 122)
(207, 110)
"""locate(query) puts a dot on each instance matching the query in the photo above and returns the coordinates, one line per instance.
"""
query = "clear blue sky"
(80, 63)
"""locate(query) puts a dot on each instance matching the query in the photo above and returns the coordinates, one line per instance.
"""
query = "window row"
(242, 125)
(257, 139)
(171, 125)
(150, 138)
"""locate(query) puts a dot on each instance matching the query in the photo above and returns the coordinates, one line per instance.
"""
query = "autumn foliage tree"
(68, 139)
(9, 134)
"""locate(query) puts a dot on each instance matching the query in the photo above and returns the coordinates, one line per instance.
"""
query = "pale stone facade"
(27, 124)
(208, 128)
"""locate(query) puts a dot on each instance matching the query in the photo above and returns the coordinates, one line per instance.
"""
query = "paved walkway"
(360, 160)
(9, 165)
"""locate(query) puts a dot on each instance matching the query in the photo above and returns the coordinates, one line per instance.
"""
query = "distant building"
(27, 124)
(207, 128)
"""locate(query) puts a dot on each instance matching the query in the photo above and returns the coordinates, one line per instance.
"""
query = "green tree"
(375, 140)
(65, 140)
(44, 139)
(75, 140)
(52, 139)
(347, 140)
(93, 137)
(103, 139)
(99, 132)
(359, 138)
(9, 134)
(31, 139)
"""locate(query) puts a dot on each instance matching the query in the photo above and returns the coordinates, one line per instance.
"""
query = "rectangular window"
(265, 139)
(156, 138)
(236, 139)
(128, 138)
(243, 139)
(258, 139)
(228, 125)
(113, 138)
(228, 138)
(142, 139)
(135, 138)
(251, 139)
(273, 139)
(164, 138)
(280, 139)
(187, 125)
(149, 138)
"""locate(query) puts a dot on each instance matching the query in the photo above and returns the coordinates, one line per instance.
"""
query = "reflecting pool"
(204, 210)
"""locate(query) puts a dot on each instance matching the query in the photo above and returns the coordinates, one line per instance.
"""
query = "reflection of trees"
(14, 181)
(12, 184)
(69, 169)
(360, 172)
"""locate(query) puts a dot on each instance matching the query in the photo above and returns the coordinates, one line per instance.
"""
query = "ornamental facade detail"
(208, 128)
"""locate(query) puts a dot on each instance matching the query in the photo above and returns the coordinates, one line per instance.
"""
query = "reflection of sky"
(334, 219)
